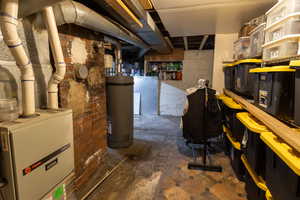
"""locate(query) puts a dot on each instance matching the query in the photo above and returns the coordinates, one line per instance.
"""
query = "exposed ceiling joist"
(186, 46)
(119, 4)
(203, 42)
(169, 42)
(147, 4)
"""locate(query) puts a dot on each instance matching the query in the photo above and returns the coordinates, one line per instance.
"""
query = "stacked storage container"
(268, 195)
(283, 30)
(235, 153)
(243, 79)
(254, 156)
(255, 186)
(274, 91)
(257, 39)
(282, 168)
(254, 147)
(229, 76)
(241, 48)
(297, 97)
(231, 108)
(296, 65)
(234, 134)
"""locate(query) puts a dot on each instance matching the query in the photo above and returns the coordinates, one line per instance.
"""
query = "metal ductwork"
(28, 7)
(71, 12)
(150, 33)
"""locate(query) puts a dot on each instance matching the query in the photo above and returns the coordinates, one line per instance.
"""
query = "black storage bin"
(244, 81)
(235, 154)
(238, 130)
(275, 91)
(230, 109)
(229, 76)
(297, 97)
(254, 149)
(282, 169)
(253, 192)
(269, 195)
(255, 185)
(236, 163)
(227, 144)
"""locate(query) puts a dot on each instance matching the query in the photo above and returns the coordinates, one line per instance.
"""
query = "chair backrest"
(193, 120)
(214, 116)
(202, 122)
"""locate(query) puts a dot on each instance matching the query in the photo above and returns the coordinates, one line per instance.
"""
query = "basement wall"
(37, 47)
(82, 48)
(223, 52)
(196, 64)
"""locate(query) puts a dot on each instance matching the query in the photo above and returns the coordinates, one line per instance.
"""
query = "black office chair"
(202, 122)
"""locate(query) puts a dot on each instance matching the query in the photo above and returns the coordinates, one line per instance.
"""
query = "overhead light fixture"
(130, 13)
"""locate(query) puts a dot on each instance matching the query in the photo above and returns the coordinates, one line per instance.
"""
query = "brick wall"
(83, 48)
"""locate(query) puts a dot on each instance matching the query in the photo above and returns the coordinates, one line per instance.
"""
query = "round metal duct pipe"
(71, 12)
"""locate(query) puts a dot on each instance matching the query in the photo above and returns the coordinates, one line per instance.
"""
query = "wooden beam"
(121, 8)
(169, 42)
(203, 42)
(130, 13)
(186, 45)
(176, 55)
(147, 4)
(289, 135)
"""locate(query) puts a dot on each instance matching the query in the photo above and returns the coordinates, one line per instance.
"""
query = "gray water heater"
(120, 110)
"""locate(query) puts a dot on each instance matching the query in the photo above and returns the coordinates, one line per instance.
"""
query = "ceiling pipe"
(71, 12)
(60, 65)
(8, 23)
(28, 7)
(150, 33)
(118, 53)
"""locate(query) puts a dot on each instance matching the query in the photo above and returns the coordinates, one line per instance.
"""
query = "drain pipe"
(118, 53)
(60, 65)
(8, 23)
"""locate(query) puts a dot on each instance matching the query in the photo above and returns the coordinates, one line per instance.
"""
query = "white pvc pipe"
(8, 24)
(60, 65)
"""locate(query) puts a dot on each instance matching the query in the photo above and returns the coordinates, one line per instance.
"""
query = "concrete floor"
(156, 168)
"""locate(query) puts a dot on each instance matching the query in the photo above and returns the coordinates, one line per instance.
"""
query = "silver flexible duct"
(71, 12)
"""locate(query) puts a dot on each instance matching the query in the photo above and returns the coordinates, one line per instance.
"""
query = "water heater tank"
(120, 111)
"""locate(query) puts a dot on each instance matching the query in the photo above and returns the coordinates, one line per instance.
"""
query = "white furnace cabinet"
(36, 154)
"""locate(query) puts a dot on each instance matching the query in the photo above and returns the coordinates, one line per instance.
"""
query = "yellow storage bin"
(254, 148)
(283, 168)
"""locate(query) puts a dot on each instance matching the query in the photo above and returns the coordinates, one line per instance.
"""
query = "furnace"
(36, 154)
